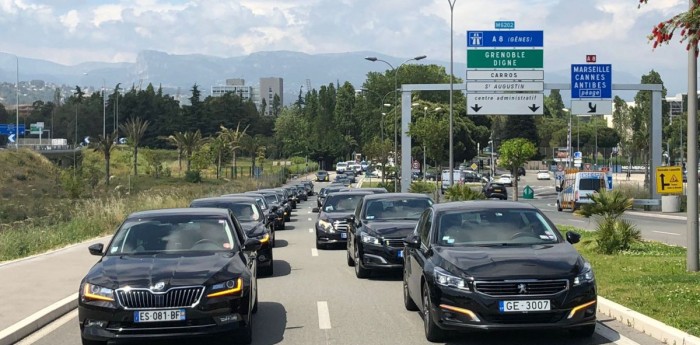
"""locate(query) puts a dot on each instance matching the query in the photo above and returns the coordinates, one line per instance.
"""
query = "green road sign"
(505, 58)
(528, 193)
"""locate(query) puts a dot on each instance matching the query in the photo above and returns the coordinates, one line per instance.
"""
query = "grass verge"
(650, 278)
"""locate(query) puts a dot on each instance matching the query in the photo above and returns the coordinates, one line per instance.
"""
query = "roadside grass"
(650, 278)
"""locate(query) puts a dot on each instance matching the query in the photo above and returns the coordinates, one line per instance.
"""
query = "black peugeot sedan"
(332, 225)
(321, 198)
(490, 265)
(378, 227)
(252, 219)
(276, 211)
(171, 273)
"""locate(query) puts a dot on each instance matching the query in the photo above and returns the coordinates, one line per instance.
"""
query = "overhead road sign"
(502, 39)
(505, 86)
(505, 75)
(591, 81)
(669, 180)
(591, 107)
(505, 58)
(7, 129)
(504, 24)
(11, 138)
(505, 103)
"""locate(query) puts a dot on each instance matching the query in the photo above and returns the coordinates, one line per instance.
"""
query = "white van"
(341, 167)
(577, 188)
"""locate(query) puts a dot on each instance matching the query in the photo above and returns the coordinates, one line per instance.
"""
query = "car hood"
(513, 262)
(253, 229)
(184, 269)
(391, 228)
(333, 216)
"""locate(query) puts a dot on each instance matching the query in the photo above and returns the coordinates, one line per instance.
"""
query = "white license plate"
(400, 253)
(159, 315)
(523, 306)
(343, 235)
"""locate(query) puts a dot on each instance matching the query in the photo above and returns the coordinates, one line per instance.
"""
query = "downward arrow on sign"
(592, 107)
(533, 107)
(476, 108)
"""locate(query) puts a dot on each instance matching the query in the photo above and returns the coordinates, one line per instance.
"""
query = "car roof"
(482, 204)
(246, 199)
(348, 193)
(194, 211)
(383, 196)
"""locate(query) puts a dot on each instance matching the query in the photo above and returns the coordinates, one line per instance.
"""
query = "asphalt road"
(314, 298)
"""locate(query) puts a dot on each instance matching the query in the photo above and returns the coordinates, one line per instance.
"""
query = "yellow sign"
(669, 180)
(474, 166)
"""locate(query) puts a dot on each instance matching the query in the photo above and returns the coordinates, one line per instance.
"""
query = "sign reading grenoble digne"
(505, 58)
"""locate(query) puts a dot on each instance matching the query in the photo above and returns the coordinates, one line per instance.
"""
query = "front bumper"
(457, 310)
(329, 237)
(381, 257)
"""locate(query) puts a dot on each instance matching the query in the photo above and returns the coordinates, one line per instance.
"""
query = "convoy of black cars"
(473, 265)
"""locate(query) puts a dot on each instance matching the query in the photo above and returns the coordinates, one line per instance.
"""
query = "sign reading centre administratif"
(591, 81)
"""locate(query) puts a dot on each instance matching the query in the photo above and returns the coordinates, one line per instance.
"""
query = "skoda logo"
(159, 286)
(522, 288)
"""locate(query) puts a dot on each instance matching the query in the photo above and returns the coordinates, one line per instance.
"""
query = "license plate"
(523, 306)
(159, 315)
(400, 253)
(343, 235)
(498, 190)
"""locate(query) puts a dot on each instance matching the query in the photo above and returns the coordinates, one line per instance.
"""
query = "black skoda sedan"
(377, 230)
(332, 225)
(490, 265)
(252, 219)
(171, 273)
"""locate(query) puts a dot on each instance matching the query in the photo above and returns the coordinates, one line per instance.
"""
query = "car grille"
(340, 225)
(525, 318)
(146, 299)
(521, 288)
(394, 242)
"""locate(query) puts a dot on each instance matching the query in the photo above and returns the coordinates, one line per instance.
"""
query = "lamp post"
(17, 110)
(568, 140)
(452, 158)
(396, 104)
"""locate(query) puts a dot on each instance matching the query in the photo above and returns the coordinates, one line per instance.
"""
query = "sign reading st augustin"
(505, 58)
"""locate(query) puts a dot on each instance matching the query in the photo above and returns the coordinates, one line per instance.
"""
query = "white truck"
(458, 177)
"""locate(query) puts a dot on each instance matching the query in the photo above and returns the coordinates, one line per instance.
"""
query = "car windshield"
(271, 198)
(396, 209)
(494, 227)
(341, 203)
(171, 234)
(590, 184)
(330, 190)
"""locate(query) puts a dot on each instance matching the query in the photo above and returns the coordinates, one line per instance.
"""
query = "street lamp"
(17, 110)
(396, 103)
(568, 140)
(452, 8)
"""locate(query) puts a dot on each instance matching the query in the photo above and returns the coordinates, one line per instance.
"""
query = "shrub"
(421, 187)
(389, 186)
(193, 176)
(461, 192)
(613, 233)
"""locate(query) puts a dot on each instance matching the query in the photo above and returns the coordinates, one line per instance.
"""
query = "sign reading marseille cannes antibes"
(591, 81)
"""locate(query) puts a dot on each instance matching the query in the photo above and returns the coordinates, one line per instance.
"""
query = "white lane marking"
(48, 329)
(613, 336)
(309, 212)
(666, 233)
(310, 219)
(314, 252)
(324, 317)
(311, 230)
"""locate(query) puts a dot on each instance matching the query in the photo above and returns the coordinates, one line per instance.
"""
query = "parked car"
(485, 265)
(521, 171)
(506, 179)
(377, 228)
(322, 175)
(373, 190)
(251, 218)
(278, 208)
(171, 271)
(543, 175)
(331, 224)
(269, 211)
(495, 190)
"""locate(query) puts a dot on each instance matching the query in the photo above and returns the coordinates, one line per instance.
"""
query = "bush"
(613, 234)
(389, 186)
(461, 192)
(421, 187)
(193, 176)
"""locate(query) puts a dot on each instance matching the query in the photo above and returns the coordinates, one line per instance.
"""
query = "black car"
(378, 227)
(350, 175)
(269, 211)
(521, 172)
(495, 190)
(310, 187)
(373, 190)
(488, 265)
(325, 191)
(278, 208)
(322, 175)
(252, 219)
(284, 199)
(172, 273)
(332, 225)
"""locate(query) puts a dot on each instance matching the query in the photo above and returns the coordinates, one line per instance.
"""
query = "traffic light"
(481, 163)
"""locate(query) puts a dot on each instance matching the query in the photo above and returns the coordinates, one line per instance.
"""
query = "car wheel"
(360, 272)
(584, 331)
(351, 262)
(433, 333)
(407, 300)
(245, 334)
(92, 342)
(255, 306)
(267, 271)
(559, 206)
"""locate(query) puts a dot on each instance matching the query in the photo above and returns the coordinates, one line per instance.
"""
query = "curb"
(38, 320)
(645, 324)
(656, 215)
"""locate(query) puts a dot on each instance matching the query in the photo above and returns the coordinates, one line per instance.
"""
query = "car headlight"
(444, 278)
(264, 238)
(586, 275)
(369, 239)
(96, 293)
(325, 225)
(227, 288)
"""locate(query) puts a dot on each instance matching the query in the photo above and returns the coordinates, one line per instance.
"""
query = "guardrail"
(646, 202)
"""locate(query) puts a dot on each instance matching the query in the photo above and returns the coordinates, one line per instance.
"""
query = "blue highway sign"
(591, 81)
(490, 39)
(7, 129)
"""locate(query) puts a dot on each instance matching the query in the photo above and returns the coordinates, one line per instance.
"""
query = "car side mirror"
(274, 208)
(350, 219)
(573, 237)
(251, 245)
(558, 189)
(96, 249)
(412, 241)
(314, 210)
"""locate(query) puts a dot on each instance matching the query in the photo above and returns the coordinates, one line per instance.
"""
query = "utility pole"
(692, 166)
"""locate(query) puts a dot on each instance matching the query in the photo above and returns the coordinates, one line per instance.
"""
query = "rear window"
(590, 184)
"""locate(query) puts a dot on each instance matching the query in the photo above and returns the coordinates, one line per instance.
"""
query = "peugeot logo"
(159, 286)
(522, 288)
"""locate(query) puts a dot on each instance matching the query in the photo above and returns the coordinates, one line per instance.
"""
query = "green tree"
(105, 145)
(134, 129)
(190, 142)
(276, 105)
(233, 138)
(513, 154)
(613, 233)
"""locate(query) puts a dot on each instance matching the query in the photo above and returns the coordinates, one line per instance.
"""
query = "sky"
(74, 31)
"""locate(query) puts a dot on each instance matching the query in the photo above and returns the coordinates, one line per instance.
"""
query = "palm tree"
(135, 129)
(191, 142)
(218, 144)
(234, 140)
(105, 145)
(177, 140)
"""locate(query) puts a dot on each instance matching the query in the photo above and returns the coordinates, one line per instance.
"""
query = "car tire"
(586, 331)
(433, 333)
(92, 342)
(407, 300)
(559, 206)
(255, 306)
(245, 334)
(350, 261)
(360, 272)
(268, 271)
